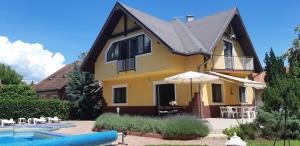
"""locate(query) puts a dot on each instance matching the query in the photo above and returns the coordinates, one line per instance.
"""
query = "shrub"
(271, 127)
(16, 92)
(245, 131)
(33, 108)
(174, 127)
(184, 127)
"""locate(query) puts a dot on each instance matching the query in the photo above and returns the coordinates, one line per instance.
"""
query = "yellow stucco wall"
(237, 53)
(154, 67)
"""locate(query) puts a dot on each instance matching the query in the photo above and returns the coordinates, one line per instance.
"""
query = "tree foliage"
(282, 92)
(274, 67)
(84, 93)
(293, 55)
(9, 75)
(16, 92)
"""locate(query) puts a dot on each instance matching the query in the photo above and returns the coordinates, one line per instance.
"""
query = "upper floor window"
(129, 48)
(227, 48)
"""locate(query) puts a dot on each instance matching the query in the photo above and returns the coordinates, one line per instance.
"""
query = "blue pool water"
(23, 136)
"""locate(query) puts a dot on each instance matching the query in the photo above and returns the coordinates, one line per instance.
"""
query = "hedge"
(172, 127)
(34, 108)
(16, 92)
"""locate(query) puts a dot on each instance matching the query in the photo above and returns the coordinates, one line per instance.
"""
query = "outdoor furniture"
(41, 120)
(5, 121)
(238, 112)
(53, 120)
(21, 121)
(224, 111)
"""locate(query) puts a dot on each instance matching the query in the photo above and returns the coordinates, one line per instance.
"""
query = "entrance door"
(164, 94)
(228, 55)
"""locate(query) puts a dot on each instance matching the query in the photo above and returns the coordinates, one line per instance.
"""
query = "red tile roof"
(260, 77)
(55, 81)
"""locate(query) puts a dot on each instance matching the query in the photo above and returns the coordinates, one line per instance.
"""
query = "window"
(217, 93)
(242, 93)
(113, 52)
(120, 95)
(129, 48)
(227, 48)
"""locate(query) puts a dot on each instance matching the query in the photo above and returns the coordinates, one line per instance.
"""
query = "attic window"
(64, 76)
(50, 78)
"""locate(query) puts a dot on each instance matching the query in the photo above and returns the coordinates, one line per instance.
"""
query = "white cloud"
(33, 61)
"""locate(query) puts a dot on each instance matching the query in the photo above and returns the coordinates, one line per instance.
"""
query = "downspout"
(199, 86)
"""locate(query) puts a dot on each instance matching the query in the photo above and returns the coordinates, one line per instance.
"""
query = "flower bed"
(172, 127)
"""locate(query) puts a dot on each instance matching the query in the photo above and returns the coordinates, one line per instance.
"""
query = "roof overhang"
(240, 81)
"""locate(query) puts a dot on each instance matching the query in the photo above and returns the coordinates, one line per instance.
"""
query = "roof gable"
(198, 36)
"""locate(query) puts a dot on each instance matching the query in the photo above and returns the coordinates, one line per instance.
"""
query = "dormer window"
(129, 48)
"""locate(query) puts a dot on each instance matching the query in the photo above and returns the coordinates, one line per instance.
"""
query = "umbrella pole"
(191, 89)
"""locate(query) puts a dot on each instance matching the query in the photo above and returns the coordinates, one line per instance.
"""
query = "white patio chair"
(253, 112)
(246, 112)
(5, 121)
(53, 120)
(21, 121)
(233, 112)
(224, 111)
(41, 120)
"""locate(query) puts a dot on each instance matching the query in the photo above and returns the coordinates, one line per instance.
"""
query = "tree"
(274, 67)
(293, 55)
(282, 93)
(9, 75)
(84, 93)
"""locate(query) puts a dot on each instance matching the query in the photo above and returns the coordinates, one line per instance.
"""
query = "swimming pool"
(12, 136)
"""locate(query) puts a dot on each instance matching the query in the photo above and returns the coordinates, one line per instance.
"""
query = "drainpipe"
(199, 85)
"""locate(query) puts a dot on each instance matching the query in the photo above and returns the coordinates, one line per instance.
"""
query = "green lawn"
(270, 143)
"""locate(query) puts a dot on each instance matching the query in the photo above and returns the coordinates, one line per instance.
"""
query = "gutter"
(204, 63)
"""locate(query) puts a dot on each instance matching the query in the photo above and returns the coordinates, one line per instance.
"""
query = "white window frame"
(222, 90)
(246, 94)
(113, 94)
(124, 38)
(160, 83)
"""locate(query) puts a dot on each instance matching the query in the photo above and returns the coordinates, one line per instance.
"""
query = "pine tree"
(274, 67)
(293, 55)
(84, 94)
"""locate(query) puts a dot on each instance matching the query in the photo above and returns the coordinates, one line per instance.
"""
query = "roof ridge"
(233, 9)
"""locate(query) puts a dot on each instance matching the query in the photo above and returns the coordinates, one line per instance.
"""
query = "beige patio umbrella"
(191, 77)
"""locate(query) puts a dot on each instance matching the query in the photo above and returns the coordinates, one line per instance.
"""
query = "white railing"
(126, 64)
(233, 62)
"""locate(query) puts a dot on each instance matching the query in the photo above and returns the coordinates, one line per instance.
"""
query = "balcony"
(233, 63)
(126, 64)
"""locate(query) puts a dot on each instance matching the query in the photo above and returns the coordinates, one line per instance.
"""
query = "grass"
(172, 127)
(270, 143)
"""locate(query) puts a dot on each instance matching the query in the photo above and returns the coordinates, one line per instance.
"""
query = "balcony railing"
(126, 64)
(233, 62)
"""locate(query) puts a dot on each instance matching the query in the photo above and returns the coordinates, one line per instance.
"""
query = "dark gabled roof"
(55, 81)
(198, 36)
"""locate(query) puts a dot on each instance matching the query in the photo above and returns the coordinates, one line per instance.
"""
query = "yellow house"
(135, 51)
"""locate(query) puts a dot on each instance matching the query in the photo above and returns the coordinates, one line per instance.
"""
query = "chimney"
(189, 18)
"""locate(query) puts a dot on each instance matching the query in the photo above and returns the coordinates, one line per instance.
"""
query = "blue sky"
(71, 26)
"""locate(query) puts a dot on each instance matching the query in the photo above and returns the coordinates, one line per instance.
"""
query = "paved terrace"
(215, 138)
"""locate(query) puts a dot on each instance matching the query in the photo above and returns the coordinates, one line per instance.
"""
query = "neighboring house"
(134, 52)
(258, 93)
(54, 85)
